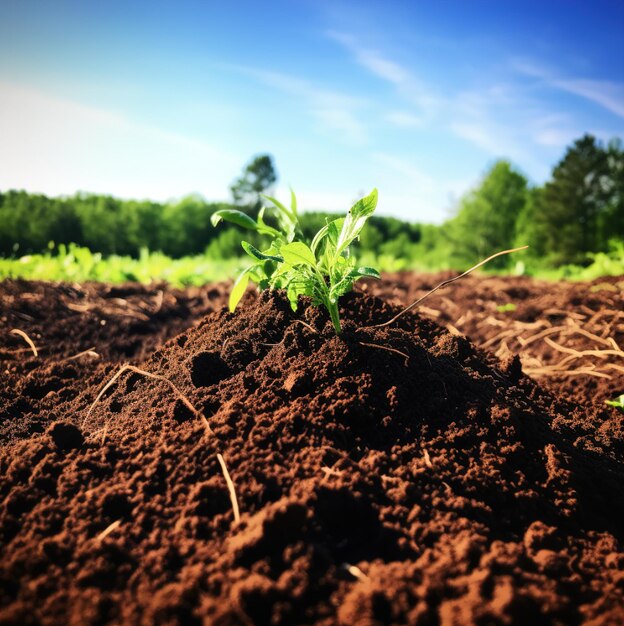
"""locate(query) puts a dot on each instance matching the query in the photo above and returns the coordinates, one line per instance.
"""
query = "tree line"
(579, 210)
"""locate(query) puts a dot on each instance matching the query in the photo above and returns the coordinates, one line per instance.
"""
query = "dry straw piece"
(447, 282)
(27, 339)
(387, 349)
(90, 353)
(355, 571)
(136, 370)
(108, 530)
(230, 485)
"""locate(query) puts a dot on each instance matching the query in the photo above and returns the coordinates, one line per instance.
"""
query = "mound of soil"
(388, 476)
(568, 334)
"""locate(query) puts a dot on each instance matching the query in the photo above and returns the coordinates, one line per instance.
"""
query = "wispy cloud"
(607, 94)
(473, 115)
(335, 112)
(503, 118)
(409, 86)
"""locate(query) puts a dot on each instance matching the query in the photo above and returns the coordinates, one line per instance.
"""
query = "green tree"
(611, 223)
(575, 202)
(487, 216)
(258, 177)
(529, 228)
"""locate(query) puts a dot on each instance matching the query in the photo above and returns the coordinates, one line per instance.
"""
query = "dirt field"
(268, 472)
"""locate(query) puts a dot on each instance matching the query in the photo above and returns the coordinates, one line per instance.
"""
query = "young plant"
(323, 270)
(618, 402)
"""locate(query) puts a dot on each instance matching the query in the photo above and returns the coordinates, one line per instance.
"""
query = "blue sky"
(161, 99)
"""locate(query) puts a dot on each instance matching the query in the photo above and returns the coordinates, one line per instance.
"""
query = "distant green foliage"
(75, 263)
(78, 264)
(573, 224)
(582, 207)
(609, 263)
(487, 216)
(258, 177)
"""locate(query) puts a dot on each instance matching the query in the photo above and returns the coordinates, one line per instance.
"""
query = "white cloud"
(408, 86)
(494, 118)
(335, 112)
(607, 94)
(58, 146)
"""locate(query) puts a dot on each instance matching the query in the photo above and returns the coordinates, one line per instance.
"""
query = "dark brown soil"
(543, 322)
(390, 476)
(78, 330)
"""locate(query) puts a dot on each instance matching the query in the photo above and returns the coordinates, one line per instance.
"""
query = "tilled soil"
(568, 334)
(395, 475)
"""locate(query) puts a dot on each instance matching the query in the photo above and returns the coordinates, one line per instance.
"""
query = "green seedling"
(324, 269)
(506, 308)
(618, 402)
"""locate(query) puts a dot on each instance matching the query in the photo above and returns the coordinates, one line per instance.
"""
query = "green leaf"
(618, 402)
(297, 253)
(253, 252)
(368, 271)
(298, 284)
(318, 238)
(287, 219)
(504, 308)
(355, 220)
(236, 217)
(238, 289)
(334, 228)
(293, 202)
(279, 206)
(330, 232)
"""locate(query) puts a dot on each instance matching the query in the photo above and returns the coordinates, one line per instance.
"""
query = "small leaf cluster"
(324, 269)
(618, 402)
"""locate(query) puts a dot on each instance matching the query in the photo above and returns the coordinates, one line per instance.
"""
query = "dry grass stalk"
(108, 530)
(427, 458)
(553, 371)
(502, 335)
(207, 425)
(430, 312)
(27, 339)
(454, 330)
(447, 282)
(566, 330)
(90, 352)
(387, 349)
(231, 489)
(525, 341)
(307, 326)
(355, 571)
(492, 321)
(602, 354)
(136, 370)
(330, 471)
